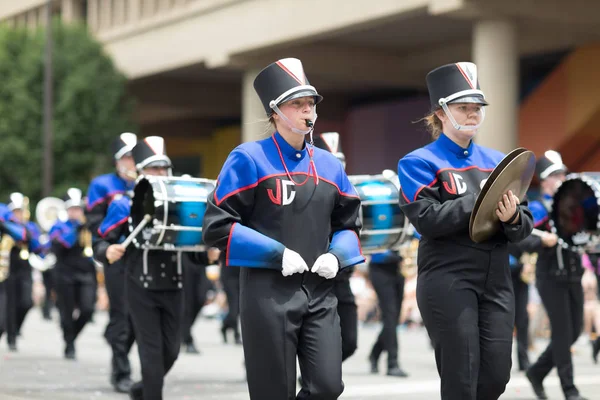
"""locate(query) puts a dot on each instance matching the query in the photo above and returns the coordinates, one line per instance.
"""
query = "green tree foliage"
(91, 108)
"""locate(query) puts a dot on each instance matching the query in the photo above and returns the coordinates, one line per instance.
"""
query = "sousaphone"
(514, 172)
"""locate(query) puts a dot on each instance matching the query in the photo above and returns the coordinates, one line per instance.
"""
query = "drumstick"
(135, 232)
(538, 232)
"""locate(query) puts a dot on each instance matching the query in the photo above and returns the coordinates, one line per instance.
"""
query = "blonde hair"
(433, 125)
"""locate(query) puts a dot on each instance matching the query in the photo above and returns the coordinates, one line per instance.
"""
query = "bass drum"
(575, 213)
(176, 205)
(383, 223)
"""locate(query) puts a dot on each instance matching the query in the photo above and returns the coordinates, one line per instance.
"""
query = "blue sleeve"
(249, 248)
(346, 223)
(96, 193)
(15, 231)
(345, 245)
(539, 212)
(513, 262)
(385, 257)
(237, 175)
(117, 214)
(227, 209)
(415, 175)
(63, 234)
(35, 245)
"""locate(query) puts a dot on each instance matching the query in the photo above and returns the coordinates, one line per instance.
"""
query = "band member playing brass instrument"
(75, 270)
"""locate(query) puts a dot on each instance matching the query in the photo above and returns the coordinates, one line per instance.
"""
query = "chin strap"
(289, 123)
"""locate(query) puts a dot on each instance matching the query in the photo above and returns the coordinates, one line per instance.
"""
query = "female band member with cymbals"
(464, 288)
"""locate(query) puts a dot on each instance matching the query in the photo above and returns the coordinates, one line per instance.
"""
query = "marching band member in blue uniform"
(346, 307)
(287, 215)
(102, 190)
(19, 284)
(11, 232)
(558, 280)
(464, 289)
(75, 270)
(153, 280)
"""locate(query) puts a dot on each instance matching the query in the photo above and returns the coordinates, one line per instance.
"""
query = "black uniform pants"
(119, 331)
(48, 279)
(389, 286)
(157, 318)
(231, 286)
(18, 300)
(75, 295)
(521, 290)
(196, 286)
(3, 308)
(466, 300)
(563, 302)
(347, 312)
(282, 319)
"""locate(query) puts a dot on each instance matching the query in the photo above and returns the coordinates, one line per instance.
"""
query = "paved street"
(38, 370)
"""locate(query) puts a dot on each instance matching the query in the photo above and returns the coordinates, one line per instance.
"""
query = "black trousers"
(230, 279)
(467, 303)
(563, 302)
(18, 301)
(521, 290)
(196, 286)
(3, 308)
(348, 314)
(157, 318)
(388, 283)
(284, 317)
(73, 295)
(119, 331)
(49, 286)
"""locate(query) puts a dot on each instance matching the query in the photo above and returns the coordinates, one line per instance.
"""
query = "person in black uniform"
(194, 292)
(119, 330)
(388, 282)
(346, 307)
(19, 285)
(464, 289)
(12, 232)
(558, 280)
(153, 282)
(75, 270)
(230, 279)
(287, 214)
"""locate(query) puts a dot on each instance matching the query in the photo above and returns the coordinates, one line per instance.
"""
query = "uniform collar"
(287, 150)
(449, 145)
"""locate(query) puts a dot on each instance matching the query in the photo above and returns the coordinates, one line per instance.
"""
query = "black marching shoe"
(595, 349)
(537, 386)
(576, 397)
(123, 385)
(190, 348)
(396, 371)
(373, 362)
(136, 392)
(70, 351)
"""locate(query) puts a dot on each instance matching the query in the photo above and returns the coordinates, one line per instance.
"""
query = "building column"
(495, 52)
(72, 10)
(254, 119)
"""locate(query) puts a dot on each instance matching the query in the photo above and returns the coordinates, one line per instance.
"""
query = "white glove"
(292, 263)
(327, 266)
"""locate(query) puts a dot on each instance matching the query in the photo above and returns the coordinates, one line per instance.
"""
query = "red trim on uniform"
(446, 169)
(229, 244)
(105, 197)
(541, 222)
(113, 226)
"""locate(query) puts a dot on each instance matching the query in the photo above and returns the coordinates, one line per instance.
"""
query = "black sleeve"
(100, 244)
(522, 230)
